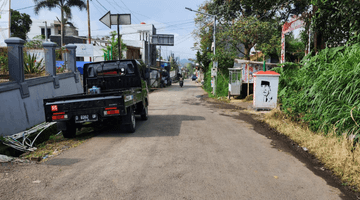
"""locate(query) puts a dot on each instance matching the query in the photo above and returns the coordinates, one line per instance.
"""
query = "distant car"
(193, 77)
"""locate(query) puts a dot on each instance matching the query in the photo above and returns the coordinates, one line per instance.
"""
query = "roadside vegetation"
(57, 143)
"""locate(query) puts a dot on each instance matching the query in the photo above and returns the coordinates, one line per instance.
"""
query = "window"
(48, 32)
(111, 69)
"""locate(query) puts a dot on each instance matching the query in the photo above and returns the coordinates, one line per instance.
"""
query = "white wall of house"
(37, 25)
(137, 35)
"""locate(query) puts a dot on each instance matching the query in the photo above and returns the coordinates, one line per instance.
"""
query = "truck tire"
(144, 113)
(70, 131)
(131, 118)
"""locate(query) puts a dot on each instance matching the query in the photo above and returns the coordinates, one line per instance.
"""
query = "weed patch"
(57, 143)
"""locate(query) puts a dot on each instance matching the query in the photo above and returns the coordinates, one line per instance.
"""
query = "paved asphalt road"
(186, 150)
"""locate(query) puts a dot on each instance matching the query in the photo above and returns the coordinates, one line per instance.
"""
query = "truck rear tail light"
(111, 112)
(57, 117)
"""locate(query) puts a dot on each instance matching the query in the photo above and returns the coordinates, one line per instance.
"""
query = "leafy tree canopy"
(65, 7)
(115, 47)
(20, 24)
(336, 22)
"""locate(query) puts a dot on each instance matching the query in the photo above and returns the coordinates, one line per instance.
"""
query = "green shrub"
(31, 66)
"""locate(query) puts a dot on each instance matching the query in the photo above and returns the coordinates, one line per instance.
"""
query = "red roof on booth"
(266, 73)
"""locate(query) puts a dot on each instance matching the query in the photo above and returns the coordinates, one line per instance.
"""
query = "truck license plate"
(86, 118)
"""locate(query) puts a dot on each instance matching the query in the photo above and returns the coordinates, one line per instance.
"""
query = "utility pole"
(214, 77)
(46, 32)
(214, 38)
(118, 30)
(89, 30)
(9, 18)
(149, 59)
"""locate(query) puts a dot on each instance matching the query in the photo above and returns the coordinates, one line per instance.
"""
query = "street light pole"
(214, 38)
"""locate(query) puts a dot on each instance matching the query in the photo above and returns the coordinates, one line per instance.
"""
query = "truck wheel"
(70, 131)
(131, 118)
(144, 113)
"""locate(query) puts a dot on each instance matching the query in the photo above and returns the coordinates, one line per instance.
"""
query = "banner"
(4, 21)
(85, 50)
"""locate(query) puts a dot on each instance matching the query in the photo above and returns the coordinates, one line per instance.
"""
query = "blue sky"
(168, 17)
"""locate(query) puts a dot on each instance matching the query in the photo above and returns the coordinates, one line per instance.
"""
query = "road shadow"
(155, 126)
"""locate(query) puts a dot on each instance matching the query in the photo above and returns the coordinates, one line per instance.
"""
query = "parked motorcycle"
(181, 82)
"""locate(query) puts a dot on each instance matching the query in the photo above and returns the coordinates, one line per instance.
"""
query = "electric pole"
(89, 30)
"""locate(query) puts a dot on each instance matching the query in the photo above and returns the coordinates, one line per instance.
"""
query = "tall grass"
(222, 83)
(325, 92)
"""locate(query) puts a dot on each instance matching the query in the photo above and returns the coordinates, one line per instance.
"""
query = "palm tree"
(64, 6)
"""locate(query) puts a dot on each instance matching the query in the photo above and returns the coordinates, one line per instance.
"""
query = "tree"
(335, 22)
(65, 7)
(115, 47)
(20, 24)
(190, 68)
(253, 23)
(264, 10)
(173, 63)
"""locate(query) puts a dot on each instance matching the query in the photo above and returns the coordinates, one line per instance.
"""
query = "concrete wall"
(18, 114)
(21, 100)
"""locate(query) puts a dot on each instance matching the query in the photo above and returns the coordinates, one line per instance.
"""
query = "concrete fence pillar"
(16, 59)
(16, 64)
(71, 56)
(50, 61)
(71, 59)
(50, 57)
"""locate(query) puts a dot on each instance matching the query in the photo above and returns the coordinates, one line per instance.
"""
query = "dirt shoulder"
(281, 141)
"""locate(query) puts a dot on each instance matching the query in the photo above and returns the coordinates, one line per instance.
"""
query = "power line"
(118, 5)
(129, 10)
(174, 25)
(102, 6)
(96, 7)
(25, 8)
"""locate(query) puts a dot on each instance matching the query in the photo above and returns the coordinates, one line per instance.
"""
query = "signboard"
(106, 19)
(124, 19)
(4, 21)
(294, 23)
(111, 19)
(215, 64)
(163, 40)
(84, 50)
